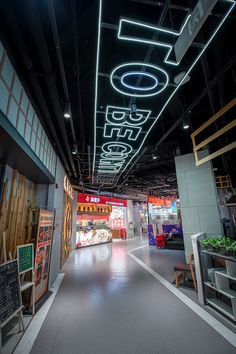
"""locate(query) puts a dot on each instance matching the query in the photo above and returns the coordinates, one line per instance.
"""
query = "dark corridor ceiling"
(53, 46)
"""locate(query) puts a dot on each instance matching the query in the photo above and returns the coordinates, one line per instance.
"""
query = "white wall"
(198, 198)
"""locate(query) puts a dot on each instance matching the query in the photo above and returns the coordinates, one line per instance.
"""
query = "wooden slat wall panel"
(18, 200)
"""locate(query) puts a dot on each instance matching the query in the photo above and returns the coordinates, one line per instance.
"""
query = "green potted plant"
(206, 244)
(233, 249)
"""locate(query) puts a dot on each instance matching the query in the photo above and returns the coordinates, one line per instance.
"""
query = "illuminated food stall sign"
(119, 130)
(88, 198)
(159, 201)
(68, 187)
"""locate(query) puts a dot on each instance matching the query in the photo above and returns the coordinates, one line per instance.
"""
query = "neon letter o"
(120, 74)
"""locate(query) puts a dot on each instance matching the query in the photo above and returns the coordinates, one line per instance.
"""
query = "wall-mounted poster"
(43, 252)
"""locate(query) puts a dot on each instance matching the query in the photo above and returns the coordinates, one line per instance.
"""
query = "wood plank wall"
(18, 201)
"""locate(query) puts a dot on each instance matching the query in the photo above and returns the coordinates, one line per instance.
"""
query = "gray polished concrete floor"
(109, 304)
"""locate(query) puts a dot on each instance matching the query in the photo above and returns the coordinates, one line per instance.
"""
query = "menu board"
(10, 297)
(25, 257)
(43, 252)
(117, 218)
(92, 237)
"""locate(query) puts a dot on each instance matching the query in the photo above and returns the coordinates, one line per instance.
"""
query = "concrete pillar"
(198, 199)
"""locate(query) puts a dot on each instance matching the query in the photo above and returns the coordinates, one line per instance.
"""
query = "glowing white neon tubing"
(187, 73)
(96, 84)
(142, 115)
(117, 144)
(137, 87)
(176, 89)
(122, 131)
(137, 94)
(153, 42)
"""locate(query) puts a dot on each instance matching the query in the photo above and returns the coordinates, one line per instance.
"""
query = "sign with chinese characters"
(88, 198)
(43, 252)
(10, 296)
(68, 187)
(159, 201)
(131, 94)
(199, 14)
(25, 256)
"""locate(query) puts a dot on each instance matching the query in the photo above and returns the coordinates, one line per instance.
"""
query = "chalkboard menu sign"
(25, 256)
(10, 298)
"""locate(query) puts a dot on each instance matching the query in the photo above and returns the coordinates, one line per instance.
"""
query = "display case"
(219, 278)
(99, 218)
(92, 230)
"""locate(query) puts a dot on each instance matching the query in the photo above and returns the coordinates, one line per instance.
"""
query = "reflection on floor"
(163, 262)
(109, 304)
(11, 335)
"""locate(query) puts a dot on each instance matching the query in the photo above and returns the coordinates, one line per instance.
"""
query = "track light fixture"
(185, 124)
(67, 112)
(75, 149)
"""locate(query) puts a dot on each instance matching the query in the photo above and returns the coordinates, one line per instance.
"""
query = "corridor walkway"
(109, 304)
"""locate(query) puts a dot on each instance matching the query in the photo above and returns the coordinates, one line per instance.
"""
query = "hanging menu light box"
(131, 94)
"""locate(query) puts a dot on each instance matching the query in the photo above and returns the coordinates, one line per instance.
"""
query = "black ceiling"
(53, 46)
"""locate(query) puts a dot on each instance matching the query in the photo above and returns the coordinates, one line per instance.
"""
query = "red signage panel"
(159, 201)
(96, 199)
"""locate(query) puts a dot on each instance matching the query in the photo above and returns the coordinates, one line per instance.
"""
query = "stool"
(161, 241)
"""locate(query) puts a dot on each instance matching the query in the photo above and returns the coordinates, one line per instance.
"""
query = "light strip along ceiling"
(119, 131)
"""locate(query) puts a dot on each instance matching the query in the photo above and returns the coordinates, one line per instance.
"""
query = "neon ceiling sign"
(124, 132)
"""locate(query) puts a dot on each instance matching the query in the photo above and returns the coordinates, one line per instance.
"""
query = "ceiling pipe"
(146, 59)
(89, 161)
(151, 47)
(198, 99)
(32, 87)
(81, 120)
(131, 167)
(50, 82)
(62, 70)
